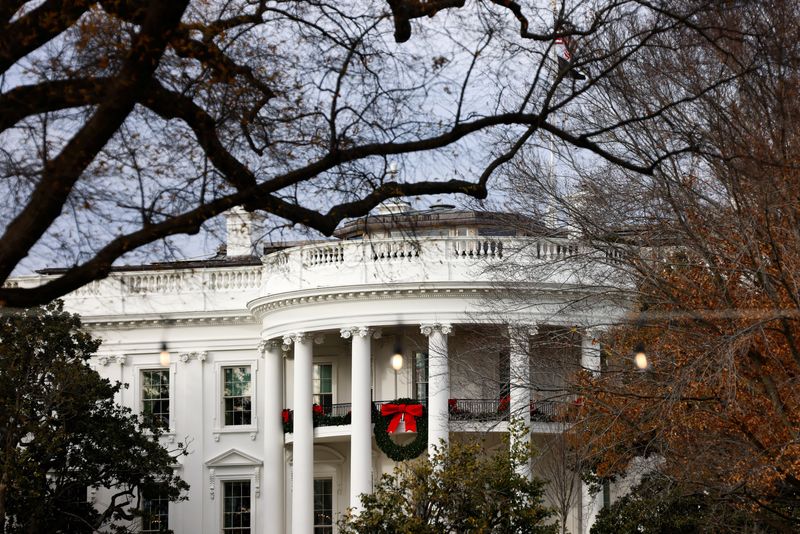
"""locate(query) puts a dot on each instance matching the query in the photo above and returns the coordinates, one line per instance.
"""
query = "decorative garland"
(318, 416)
(396, 452)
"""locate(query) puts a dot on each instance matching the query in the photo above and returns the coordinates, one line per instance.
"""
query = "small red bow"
(407, 412)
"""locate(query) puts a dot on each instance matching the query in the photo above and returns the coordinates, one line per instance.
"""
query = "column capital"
(360, 331)
(295, 337)
(519, 329)
(592, 333)
(201, 356)
(105, 359)
(429, 328)
(266, 345)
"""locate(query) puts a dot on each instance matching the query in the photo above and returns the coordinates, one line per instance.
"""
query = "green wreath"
(400, 453)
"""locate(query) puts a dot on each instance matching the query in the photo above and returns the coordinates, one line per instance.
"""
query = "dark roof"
(219, 260)
(440, 217)
(237, 261)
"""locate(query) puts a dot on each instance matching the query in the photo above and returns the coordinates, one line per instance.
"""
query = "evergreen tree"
(459, 489)
(61, 433)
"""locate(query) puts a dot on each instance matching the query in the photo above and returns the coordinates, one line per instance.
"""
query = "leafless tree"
(703, 252)
(125, 123)
(561, 462)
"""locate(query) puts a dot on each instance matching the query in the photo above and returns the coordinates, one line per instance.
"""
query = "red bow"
(407, 412)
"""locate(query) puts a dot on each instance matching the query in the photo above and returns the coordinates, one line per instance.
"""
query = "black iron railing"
(337, 410)
(478, 410)
(498, 410)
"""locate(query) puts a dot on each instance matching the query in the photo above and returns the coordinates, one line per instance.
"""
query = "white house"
(319, 323)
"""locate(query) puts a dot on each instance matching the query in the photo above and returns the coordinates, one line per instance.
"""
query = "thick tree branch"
(404, 11)
(28, 100)
(61, 173)
(189, 223)
(38, 27)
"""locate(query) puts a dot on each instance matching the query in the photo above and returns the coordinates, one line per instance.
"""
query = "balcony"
(491, 410)
(469, 410)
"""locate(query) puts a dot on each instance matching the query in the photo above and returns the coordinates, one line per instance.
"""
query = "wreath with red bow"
(388, 418)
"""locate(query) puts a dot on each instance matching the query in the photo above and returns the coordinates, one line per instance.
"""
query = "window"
(72, 505)
(155, 513)
(504, 373)
(155, 395)
(558, 355)
(420, 376)
(236, 507)
(323, 506)
(237, 396)
(323, 385)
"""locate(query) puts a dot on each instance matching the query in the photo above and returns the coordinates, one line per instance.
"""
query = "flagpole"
(550, 216)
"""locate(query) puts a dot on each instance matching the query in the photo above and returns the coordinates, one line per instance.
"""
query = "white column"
(189, 399)
(303, 447)
(520, 389)
(438, 383)
(590, 350)
(590, 507)
(590, 360)
(361, 415)
(274, 485)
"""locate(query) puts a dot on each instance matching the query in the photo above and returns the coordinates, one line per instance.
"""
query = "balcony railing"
(474, 410)
(499, 409)
(337, 410)
(426, 259)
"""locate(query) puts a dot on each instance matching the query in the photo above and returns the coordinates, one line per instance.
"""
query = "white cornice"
(215, 318)
(262, 306)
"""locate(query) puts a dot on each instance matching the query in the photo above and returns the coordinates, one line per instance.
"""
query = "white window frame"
(222, 479)
(219, 414)
(170, 519)
(334, 377)
(330, 474)
(138, 398)
(414, 381)
(230, 466)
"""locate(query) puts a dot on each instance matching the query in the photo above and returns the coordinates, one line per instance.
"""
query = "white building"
(319, 323)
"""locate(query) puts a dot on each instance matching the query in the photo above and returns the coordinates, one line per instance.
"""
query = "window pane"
(236, 507)
(322, 380)
(420, 375)
(155, 395)
(322, 386)
(323, 506)
(325, 372)
(237, 404)
(237, 381)
(155, 513)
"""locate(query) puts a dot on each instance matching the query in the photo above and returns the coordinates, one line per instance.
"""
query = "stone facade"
(249, 337)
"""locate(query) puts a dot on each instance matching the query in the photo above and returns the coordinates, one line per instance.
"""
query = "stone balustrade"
(335, 265)
(177, 290)
(420, 260)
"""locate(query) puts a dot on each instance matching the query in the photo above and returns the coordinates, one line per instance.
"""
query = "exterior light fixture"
(163, 356)
(640, 357)
(397, 360)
